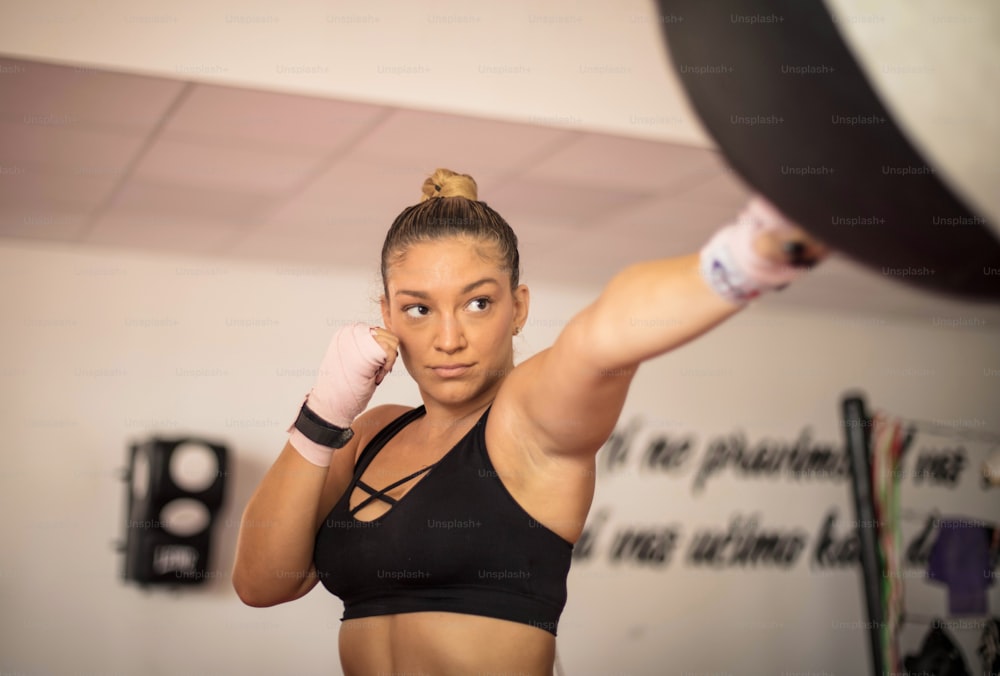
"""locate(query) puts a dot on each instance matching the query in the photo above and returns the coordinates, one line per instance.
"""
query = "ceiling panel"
(326, 252)
(540, 235)
(44, 186)
(670, 221)
(720, 186)
(68, 146)
(236, 169)
(122, 160)
(163, 232)
(353, 192)
(486, 149)
(302, 124)
(53, 221)
(588, 259)
(626, 164)
(191, 201)
(80, 97)
(564, 203)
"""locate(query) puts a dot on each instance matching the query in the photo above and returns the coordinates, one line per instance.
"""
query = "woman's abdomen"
(443, 643)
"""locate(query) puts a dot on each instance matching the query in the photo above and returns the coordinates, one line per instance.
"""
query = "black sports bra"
(456, 542)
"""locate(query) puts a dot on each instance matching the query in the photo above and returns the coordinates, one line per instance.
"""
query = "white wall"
(104, 347)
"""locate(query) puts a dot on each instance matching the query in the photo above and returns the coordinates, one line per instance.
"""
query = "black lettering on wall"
(666, 455)
(918, 552)
(799, 459)
(940, 466)
(717, 456)
(745, 544)
(833, 550)
(614, 452)
(584, 547)
(652, 545)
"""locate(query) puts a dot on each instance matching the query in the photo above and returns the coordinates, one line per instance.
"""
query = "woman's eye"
(416, 310)
(479, 304)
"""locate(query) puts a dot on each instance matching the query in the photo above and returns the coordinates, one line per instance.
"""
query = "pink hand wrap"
(730, 263)
(351, 369)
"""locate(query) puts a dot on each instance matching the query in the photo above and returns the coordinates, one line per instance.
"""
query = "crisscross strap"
(372, 449)
(383, 437)
(381, 494)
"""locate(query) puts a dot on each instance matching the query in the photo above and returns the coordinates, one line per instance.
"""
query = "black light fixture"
(174, 490)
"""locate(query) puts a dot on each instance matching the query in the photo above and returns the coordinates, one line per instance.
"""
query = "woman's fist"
(355, 362)
(761, 251)
(780, 241)
(390, 344)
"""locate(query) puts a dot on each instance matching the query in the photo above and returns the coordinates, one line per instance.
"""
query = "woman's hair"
(449, 207)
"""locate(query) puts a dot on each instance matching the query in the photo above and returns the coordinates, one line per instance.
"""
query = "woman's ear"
(386, 322)
(522, 300)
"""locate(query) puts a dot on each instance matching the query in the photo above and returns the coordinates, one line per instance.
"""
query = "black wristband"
(320, 431)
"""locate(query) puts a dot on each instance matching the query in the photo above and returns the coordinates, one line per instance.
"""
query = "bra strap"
(381, 494)
(383, 437)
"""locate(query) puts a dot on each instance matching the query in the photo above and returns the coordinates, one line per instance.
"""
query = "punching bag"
(778, 87)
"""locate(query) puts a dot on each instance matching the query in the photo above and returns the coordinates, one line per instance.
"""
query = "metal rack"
(857, 431)
(858, 423)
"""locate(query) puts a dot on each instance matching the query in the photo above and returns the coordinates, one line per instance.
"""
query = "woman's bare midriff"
(444, 644)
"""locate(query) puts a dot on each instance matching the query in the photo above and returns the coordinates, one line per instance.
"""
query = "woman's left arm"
(566, 399)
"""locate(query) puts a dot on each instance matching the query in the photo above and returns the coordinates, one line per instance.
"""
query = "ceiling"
(91, 157)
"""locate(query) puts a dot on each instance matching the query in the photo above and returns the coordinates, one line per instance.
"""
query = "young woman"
(447, 529)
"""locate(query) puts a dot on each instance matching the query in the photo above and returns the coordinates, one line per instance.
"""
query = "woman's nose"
(450, 335)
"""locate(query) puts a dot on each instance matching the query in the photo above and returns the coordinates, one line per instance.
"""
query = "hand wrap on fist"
(732, 261)
(354, 364)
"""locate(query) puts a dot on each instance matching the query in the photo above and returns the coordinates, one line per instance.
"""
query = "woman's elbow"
(252, 593)
(256, 598)
(253, 601)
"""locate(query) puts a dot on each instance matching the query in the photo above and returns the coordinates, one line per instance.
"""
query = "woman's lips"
(451, 370)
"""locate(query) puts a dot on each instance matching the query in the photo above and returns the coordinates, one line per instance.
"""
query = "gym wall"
(103, 347)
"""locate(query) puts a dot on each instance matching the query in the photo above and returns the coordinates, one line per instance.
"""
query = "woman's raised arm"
(569, 396)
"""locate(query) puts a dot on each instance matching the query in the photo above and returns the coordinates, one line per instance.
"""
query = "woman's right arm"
(274, 551)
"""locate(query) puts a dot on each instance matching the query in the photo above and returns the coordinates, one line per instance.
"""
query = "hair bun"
(448, 183)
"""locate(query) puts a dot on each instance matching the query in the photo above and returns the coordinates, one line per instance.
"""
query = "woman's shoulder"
(385, 411)
(374, 420)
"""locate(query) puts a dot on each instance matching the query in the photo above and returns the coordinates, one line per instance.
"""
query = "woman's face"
(450, 304)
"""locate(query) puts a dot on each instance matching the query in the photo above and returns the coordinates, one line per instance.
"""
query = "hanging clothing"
(960, 559)
(989, 648)
(938, 656)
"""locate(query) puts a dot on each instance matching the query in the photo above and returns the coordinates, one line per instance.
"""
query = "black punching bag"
(777, 86)
(174, 490)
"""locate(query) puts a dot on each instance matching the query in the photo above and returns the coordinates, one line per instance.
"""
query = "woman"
(447, 529)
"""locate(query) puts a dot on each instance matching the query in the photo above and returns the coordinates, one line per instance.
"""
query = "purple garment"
(960, 558)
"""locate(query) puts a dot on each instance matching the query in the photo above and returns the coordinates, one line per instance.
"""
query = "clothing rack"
(858, 425)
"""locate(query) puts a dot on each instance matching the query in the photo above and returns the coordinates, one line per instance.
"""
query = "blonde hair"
(449, 207)
(447, 183)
